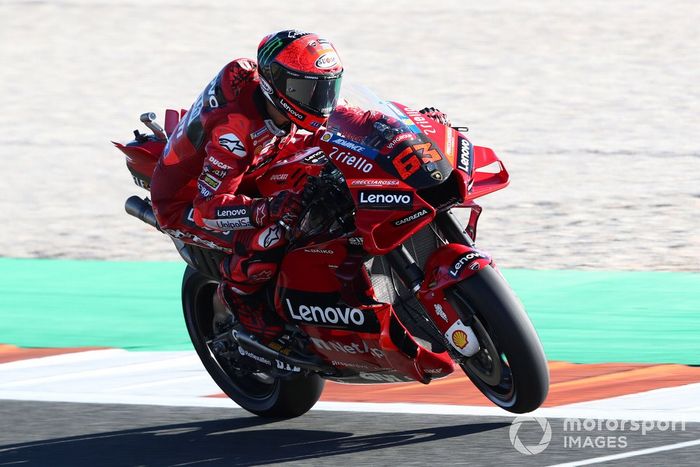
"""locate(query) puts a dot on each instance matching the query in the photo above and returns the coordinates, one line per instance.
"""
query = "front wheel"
(258, 393)
(510, 368)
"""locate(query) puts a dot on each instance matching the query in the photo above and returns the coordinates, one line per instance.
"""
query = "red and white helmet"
(300, 74)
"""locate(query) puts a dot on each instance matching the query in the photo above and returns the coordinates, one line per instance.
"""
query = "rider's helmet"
(300, 74)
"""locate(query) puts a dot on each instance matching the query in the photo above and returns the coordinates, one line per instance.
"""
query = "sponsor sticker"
(204, 191)
(211, 181)
(462, 338)
(317, 157)
(279, 177)
(319, 250)
(356, 365)
(356, 241)
(411, 217)
(385, 199)
(234, 145)
(359, 163)
(270, 236)
(217, 163)
(260, 214)
(231, 211)
(440, 312)
(287, 367)
(253, 356)
(449, 145)
(233, 223)
(373, 182)
(353, 348)
(296, 33)
(327, 60)
(262, 276)
(399, 139)
(265, 86)
(424, 123)
(357, 147)
(326, 315)
(464, 160)
(220, 173)
(258, 133)
(291, 111)
(384, 378)
(464, 261)
(324, 309)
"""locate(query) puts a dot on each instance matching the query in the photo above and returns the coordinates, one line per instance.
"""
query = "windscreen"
(382, 132)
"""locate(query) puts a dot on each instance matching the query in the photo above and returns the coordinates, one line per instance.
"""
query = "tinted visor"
(319, 96)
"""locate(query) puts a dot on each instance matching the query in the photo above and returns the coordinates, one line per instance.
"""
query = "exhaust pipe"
(142, 210)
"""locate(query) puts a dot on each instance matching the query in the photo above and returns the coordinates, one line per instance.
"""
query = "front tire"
(510, 368)
(258, 393)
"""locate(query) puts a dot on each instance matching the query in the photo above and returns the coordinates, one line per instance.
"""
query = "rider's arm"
(217, 205)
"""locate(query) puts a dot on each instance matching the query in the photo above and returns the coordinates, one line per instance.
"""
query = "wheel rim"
(488, 368)
(255, 386)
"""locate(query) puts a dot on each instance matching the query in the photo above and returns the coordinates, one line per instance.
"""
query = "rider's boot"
(248, 307)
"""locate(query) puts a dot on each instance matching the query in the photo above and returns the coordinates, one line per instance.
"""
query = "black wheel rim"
(488, 368)
(255, 386)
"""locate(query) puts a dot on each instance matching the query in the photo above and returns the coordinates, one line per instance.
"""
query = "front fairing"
(389, 137)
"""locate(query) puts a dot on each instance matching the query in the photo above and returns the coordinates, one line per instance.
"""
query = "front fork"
(448, 265)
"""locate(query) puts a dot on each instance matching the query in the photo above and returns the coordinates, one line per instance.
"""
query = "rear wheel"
(258, 393)
(510, 368)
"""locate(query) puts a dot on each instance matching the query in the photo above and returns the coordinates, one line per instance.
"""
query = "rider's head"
(300, 74)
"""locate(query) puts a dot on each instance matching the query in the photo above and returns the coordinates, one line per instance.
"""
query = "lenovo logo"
(377, 199)
(463, 261)
(326, 315)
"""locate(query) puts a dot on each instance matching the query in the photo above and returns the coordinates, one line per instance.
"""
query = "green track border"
(581, 316)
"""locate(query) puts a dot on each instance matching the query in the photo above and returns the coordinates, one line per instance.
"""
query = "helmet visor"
(319, 96)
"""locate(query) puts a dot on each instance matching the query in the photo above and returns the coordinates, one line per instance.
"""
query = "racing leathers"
(203, 190)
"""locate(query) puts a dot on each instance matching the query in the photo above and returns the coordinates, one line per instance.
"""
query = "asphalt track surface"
(64, 434)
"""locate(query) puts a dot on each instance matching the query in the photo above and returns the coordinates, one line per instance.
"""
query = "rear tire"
(257, 393)
(511, 367)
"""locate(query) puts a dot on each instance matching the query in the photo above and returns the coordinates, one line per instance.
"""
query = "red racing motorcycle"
(381, 282)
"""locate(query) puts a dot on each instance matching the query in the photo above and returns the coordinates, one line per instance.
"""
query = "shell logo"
(459, 338)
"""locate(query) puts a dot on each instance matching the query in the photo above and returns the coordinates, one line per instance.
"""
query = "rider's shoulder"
(240, 71)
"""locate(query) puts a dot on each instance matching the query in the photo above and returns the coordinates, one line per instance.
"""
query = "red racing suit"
(201, 189)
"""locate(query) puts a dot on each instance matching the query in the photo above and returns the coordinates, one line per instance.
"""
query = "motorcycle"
(380, 283)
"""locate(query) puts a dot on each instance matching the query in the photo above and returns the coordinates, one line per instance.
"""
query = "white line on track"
(625, 455)
(117, 376)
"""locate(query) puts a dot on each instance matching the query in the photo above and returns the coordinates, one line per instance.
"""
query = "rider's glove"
(436, 115)
(284, 206)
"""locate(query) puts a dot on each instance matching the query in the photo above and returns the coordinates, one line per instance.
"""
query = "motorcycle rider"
(202, 189)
